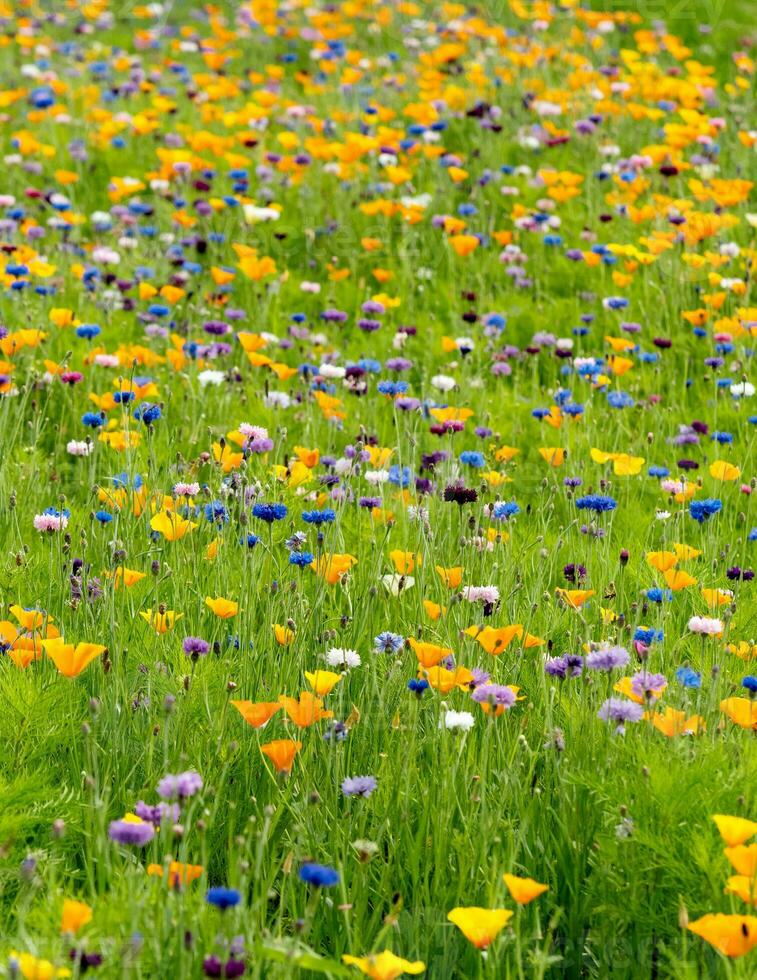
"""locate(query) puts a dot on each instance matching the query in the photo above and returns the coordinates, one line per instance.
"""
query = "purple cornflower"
(137, 833)
(568, 665)
(648, 686)
(359, 786)
(195, 646)
(479, 677)
(183, 785)
(158, 813)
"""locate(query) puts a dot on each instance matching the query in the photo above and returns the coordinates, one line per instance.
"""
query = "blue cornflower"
(504, 509)
(301, 558)
(148, 414)
(317, 517)
(752, 536)
(418, 685)
(472, 458)
(104, 517)
(88, 331)
(319, 875)
(573, 409)
(750, 683)
(92, 420)
(392, 388)
(647, 635)
(688, 677)
(659, 595)
(387, 642)
(223, 898)
(615, 303)
(724, 438)
(619, 399)
(216, 512)
(400, 478)
(659, 472)
(250, 540)
(124, 397)
(597, 503)
(269, 512)
(701, 510)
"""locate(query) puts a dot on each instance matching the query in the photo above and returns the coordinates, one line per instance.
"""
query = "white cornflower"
(457, 721)
(705, 626)
(75, 448)
(443, 382)
(210, 378)
(336, 657)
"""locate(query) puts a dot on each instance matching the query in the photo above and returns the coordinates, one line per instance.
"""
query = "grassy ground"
(618, 826)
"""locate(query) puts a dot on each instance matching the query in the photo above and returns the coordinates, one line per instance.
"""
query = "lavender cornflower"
(607, 658)
(359, 786)
(183, 785)
(495, 695)
(621, 712)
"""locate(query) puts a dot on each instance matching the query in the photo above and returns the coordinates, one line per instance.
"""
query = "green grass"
(619, 827)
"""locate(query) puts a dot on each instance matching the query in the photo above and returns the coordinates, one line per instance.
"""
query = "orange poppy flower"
(305, 712)
(281, 753)
(257, 714)
(69, 659)
(523, 890)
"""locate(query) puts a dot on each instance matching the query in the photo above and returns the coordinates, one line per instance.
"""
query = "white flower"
(376, 477)
(106, 256)
(75, 448)
(419, 201)
(394, 583)
(253, 431)
(50, 522)
(443, 382)
(705, 626)
(461, 721)
(334, 371)
(744, 389)
(210, 378)
(310, 287)
(335, 657)
(662, 515)
(673, 486)
(544, 108)
(253, 214)
(277, 399)
(107, 360)
(488, 594)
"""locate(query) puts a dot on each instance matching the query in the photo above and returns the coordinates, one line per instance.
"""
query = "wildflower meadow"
(377, 453)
